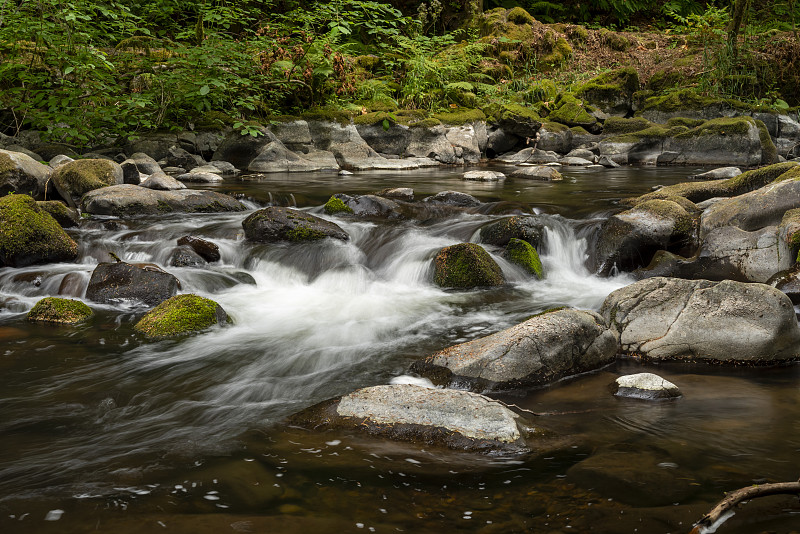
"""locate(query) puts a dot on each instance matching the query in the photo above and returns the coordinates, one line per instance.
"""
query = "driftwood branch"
(744, 494)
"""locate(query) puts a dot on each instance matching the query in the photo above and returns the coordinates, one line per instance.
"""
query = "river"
(102, 431)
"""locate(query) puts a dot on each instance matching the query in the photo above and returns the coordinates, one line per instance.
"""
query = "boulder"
(645, 386)
(545, 348)
(406, 412)
(29, 235)
(453, 198)
(240, 149)
(370, 206)
(529, 156)
(538, 172)
(465, 143)
(431, 142)
(629, 239)
(162, 182)
(59, 160)
(126, 200)
(225, 168)
(466, 266)
(185, 256)
(554, 137)
(398, 193)
(483, 176)
(575, 162)
(154, 145)
(612, 91)
(179, 157)
(674, 319)
(521, 253)
(719, 173)
(64, 216)
(732, 253)
(500, 141)
(519, 120)
(529, 228)
(205, 249)
(179, 315)
(294, 135)
(393, 140)
(581, 153)
(55, 310)
(19, 173)
(115, 283)
(130, 172)
(195, 176)
(571, 112)
(146, 164)
(787, 282)
(276, 224)
(275, 157)
(81, 176)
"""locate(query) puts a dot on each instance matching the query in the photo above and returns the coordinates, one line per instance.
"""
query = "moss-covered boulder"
(528, 228)
(515, 119)
(275, 224)
(66, 217)
(78, 177)
(60, 311)
(20, 173)
(572, 112)
(466, 266)
(521, 253)
(29, 235)
(612, 91)
(181, 314)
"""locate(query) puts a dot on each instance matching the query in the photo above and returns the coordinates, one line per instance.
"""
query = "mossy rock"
(612, 91)
(655, 131)
(619, 125)
(522, 253)
(518, 15)
(614, 41)
(213, 120)
(64, 216)
(687, 99)
(720, 126)
(329, 115)
(685, 122)
(560, 54)
(181, 314)
(527, 228)
(60, 311)
(275, 224)
(29, 235)
(459, 117)
(335, 205)
(571, 112)
(430, 122)
(769, 152)
(666, 79)
(466, 266)
(577, 34)
(541, 91)
(76, 178)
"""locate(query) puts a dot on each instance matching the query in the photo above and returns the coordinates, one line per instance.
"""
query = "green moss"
(7, 164)
(375, 118)
(178, 315)
(792, 174)
(512, 112)
(561, 53)
(614, 40)
(59, 311)
(213, 120)
(791, 225)
(59, 211)
(368, 62)
(460, 116)
(610, 86)
(683, 121)
(430, 122)
(541, 91)
(523, 254)
(328, 115)
(83, 175)
(579, 130)
(687, 99)
(577, 34)
(336, 205)
(668, 209)
(29, 235)
(769, 152)
(283, 118)
(720, 126)
(619, 125)
(666, 79)
(466, 266)
(518, 15)
(301, 233)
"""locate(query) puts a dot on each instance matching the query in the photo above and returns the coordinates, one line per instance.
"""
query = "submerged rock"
(285, 224)
(543, 349)
(466, 266)
(114, 283)
(646, 386)
(60, 311)
(405, 412)
(184, 256)
(29, 235)
(181, 314)
(674, 319)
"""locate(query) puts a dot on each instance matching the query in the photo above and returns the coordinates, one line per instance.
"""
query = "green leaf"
(68, 70)
(204, 90)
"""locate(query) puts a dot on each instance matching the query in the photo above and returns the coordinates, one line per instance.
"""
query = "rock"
(295, 135)
(185, 256)
(612, 91)
(554, 137)
(607, 161)
(275, 157)
(453, 198)
(275, 224)
(154, 145)
(240, 149)
(29, 235)
(538, 172)
(757, 209)
(529, 155)
(431, 142)
(570, 112)
(675, 319)
(466, 266)
(645, 386)
(519, 120)
(178, 157)
(59, 160)
(225, 168)
(344, 172)
(130, 172)
(71, 285)
(521, 253)
(145, 163)
(126, 200)
(575, 162)
(500, 141)
(732, 253)
(464, 140)
(527, 228)
(199, 177)
(115, 283)
(205, 249)
(162, 182)
(581, 153)
(545, 348)
(394, 140)
(399, 193)
(484, 176)
(181, 314)
(718, 174)
(363, 206)
(81, 176)
(64, 216)
(629, 239)
(787, 282)
(55, 310)
(406, 412)
(19, 173)
(638, 478)
(23, 150)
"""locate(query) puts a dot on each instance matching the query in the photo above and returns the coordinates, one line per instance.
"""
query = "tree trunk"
(740, 9)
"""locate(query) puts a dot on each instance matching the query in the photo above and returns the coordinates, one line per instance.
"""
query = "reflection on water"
(100, 430)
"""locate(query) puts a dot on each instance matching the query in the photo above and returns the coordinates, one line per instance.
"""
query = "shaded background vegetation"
(85, 71)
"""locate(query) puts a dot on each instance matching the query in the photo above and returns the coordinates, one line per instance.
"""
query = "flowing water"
(101, 431)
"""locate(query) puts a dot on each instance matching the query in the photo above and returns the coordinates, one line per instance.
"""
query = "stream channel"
(101, 431)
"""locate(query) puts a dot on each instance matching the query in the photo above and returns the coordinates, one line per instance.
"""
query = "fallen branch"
(744, 494)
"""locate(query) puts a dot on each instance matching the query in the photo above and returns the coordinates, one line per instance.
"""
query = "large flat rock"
(121, 200)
